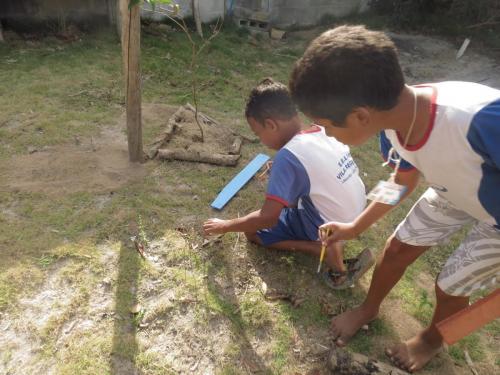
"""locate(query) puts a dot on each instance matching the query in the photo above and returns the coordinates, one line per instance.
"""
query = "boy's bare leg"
(390, 266)
(414, 353)
(333, 258)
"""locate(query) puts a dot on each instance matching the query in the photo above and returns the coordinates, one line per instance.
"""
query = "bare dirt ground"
(87, 165)
(175, 334)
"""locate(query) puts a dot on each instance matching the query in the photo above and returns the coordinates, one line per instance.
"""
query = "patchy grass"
(53, 93)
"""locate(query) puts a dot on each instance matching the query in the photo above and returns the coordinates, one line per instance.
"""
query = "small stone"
(263, 288)
(136, 309)
(365, 327)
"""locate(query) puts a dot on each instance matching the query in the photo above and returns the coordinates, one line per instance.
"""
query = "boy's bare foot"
(413, 354)
(347, 324)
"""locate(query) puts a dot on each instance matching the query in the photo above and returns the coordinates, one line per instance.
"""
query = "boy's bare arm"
(374, 211)
(266, 217)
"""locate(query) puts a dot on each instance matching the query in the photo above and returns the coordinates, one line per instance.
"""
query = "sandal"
(336, 279)
(356, 267)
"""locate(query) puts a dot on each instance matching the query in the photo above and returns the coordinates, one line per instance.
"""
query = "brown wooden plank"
(471, 318)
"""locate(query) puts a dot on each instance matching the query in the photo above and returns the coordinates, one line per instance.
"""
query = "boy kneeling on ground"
(313, 180)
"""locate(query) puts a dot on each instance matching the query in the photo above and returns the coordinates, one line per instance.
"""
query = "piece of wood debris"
(462, 49)
(194, 366)
(139, 247)
(198, 156)
(211, 240)
(344, 362)
(469, 362)
(274, 295)
(70, 328)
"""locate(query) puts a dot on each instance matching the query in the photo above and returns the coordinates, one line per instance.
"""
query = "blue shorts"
(290, 227)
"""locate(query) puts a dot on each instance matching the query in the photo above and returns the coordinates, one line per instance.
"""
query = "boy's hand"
(338, 232)
(214, 226)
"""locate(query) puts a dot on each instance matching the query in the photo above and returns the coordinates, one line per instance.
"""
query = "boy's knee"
(398, 253)
(393, 247)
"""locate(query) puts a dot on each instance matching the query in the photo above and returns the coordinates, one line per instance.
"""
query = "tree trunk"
(196, 15)
(131, 47)
(1, 33)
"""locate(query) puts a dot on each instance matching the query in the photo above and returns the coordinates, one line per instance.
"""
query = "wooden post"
(471, 318)
(1, 33)
(131, 48)
(196, 14)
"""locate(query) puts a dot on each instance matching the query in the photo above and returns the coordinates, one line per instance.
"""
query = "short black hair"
(344, 68)
(270, 99)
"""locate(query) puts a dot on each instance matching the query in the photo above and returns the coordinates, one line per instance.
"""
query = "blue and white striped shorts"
(475, 264)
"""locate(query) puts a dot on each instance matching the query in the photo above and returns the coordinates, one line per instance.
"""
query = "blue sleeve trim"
(385, 147)
(484, 138)
(288, 180)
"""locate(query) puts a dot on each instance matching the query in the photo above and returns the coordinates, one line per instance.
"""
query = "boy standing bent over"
(349, 81)
(313, 180)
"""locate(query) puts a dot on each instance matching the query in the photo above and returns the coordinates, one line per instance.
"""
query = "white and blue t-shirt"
(459, 155)
(317, 175)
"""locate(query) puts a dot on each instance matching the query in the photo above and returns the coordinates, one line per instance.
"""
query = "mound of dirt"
(182, 139)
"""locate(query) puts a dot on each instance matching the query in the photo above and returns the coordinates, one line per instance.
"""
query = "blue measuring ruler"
(239, 181)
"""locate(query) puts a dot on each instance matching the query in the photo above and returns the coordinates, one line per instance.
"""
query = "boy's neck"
(295, 125)
(400, 117)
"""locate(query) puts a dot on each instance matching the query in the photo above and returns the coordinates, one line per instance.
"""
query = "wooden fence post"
(131, 51)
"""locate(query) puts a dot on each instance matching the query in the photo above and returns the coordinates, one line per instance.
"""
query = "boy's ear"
(360, 116)
(271, 124)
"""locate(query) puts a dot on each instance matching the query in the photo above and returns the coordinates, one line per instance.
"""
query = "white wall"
(210, 10)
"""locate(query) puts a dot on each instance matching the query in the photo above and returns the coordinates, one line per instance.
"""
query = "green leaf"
(154, 2)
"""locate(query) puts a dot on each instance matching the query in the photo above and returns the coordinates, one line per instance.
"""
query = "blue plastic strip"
(239, 181)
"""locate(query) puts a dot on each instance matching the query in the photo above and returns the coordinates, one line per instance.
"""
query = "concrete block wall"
(287, 13)
(43, 10)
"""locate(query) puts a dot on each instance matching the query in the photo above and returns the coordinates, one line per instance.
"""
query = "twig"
(139, 247)
(469, 362)
(78, 93)
(490, 22)
(284, 55)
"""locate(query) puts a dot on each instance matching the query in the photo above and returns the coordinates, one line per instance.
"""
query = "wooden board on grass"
(239, 181)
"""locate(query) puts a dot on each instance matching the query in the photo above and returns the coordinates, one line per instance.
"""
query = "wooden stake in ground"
(131, 49)
(196, 15)
(1, 33)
